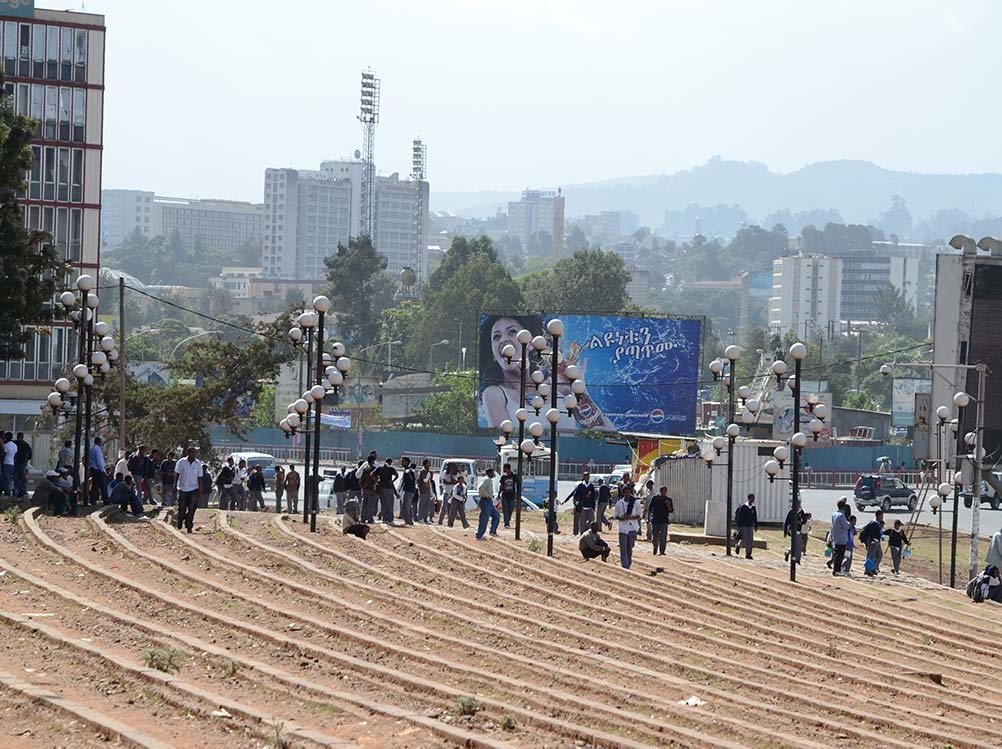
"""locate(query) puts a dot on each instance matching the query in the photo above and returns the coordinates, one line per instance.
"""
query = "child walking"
(896, 542)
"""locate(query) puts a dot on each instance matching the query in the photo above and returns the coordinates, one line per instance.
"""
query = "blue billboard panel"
(20, 8)
(640, 373)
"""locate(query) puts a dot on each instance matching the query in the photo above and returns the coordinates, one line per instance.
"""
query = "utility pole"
(121, 363)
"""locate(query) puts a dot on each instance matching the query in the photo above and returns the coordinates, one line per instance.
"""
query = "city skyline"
(512, 95)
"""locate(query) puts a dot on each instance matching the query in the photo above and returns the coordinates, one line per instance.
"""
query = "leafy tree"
(897, 219)
(264, 407)
(587, 281)
(454, 410)
(576, 239)
(360, 290)
(458, 254)
(895, 313)
(219, 302)
(30, 269)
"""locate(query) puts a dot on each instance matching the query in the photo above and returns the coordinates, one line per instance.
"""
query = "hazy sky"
(203, 95)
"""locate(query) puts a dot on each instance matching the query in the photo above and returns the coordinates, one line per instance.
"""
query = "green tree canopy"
(360, 290)
(458, 255)
(587, 281)
(454, 410)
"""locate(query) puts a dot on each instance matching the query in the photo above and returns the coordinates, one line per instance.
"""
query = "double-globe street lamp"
(330, 369)
(525, 339)
(731, 353)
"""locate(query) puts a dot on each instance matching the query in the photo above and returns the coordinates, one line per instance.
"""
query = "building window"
(52, 53)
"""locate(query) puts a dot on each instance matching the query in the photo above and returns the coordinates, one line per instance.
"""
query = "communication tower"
(369, 117)
(419, 176)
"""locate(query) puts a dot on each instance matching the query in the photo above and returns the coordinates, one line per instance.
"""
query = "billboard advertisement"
(640, 373)
(903, 399)
(783, 417)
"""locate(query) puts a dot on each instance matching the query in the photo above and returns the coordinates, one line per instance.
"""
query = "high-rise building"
(865, 273)
(395, 225)
(212, 224)
(308, 213)
(539, 211)
(123, 212)
(805, 289)
(53, 63)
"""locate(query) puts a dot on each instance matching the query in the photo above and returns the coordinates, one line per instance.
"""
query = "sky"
(203, 95)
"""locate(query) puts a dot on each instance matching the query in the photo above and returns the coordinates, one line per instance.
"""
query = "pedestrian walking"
(507, 492)
(850, 547)
(627, 512)
(448, 478)
(150, 468)
(604, 499)
(426, 504)
(584, 504)
(168, 495)
(592, 545)
(872, 538)
(457, 503)
(408, 491)
(839, 534)
(659, 510)
(367, 481)
(239, 495)
(645, 502)
(204, 487)
(805, 531)
(387, 490)
(292, 484)
(897, 542)
(746, 521)
(224, 483)
(98, 477)
(21, 460)
(188, 476)
(488, 512)
(7, 475)
(256, 487)
(340, 491)
(794, 517)
(279, 487)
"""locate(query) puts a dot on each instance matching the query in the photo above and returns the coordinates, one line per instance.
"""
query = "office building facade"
(212, 224)
(865, 273)
(122, 213)
(53, 62)
(397, 233)
(537, 212)
(805, 289)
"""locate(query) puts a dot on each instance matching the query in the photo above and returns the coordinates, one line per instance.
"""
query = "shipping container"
(772, 500)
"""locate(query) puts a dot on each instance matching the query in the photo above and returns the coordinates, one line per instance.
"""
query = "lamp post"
(431, 349)
(307, 324)
(524, 338)
(942, 492)
(732, 353)
(320, 305)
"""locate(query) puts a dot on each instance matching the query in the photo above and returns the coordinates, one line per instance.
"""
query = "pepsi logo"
(657, 416)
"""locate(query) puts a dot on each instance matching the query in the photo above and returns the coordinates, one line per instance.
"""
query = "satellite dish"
(358, 154)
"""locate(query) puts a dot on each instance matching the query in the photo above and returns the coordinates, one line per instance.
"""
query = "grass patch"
(168, 660)
(278, 741)
(467, 706)
(13, 514)
(324, 708)
(507, 723)
(534, 545)
(230, 669)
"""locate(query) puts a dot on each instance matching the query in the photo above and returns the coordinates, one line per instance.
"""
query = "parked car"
(616, 476)
(988, 493)
(266, 461)
(884, 492)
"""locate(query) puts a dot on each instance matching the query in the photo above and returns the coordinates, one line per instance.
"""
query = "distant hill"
(859, 190)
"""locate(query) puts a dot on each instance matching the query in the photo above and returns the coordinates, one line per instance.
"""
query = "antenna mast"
(368, 116)
(419, 175)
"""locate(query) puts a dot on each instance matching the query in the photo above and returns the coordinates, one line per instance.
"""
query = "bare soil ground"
(253, 631)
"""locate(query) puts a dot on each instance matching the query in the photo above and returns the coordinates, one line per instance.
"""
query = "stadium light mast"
(369, 116)
(419, 175)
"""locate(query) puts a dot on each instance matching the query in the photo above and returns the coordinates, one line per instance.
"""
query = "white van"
(266, 461)
(468, 467)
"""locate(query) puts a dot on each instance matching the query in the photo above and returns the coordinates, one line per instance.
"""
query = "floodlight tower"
(369, 116)
(419, 175)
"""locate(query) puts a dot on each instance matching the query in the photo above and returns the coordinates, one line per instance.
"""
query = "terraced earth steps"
(363, 549)
(314, 709)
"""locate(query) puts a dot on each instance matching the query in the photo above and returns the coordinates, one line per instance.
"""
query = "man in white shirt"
(187, 474)
(627, 512)
(9, 451)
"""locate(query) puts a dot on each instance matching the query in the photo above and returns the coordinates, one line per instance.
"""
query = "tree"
(31, 270)
(589, 281)
(897, 219)
(895, 313)
(454, 410)
(360, 289)
(576, 239)
(458, 254)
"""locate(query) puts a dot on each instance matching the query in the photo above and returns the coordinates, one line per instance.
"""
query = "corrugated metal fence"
(688, 482)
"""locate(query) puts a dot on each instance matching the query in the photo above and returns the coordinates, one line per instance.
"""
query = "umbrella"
(882, 458)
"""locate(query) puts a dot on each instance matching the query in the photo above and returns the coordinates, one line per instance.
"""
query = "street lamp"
(942, 492)
(525, 339)
(320, 305)
(431, 349)
(732, 353)
(798, 352)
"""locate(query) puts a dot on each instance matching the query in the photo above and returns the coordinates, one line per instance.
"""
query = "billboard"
(903, 399)
(783, 416)
(640, 373)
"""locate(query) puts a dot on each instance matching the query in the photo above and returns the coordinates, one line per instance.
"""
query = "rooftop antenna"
(419, 175)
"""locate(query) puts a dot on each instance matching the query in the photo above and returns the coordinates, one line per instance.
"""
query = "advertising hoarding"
(782, 414)
(903, 399)
(640, 373)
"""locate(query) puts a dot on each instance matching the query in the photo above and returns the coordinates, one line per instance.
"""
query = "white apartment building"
(236, 280)
(308, 213)
(123, 212)
(538, 211)
(805, 288)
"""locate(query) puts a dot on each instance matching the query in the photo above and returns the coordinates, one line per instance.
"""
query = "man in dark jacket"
(126, 498)
(795, 520)
(604, 500)
(746, 521)
(659, 509)
(584, 504)
(872, 539)
(387, 476)
(21, 460)
(257, 487)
